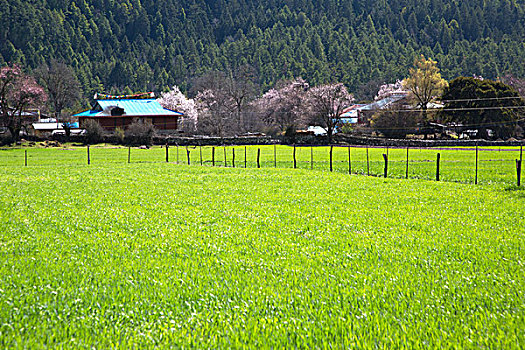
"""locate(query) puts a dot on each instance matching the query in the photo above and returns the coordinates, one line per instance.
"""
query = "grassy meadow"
(155, 254)
(496, 165)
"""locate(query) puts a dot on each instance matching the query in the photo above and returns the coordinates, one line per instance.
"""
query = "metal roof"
(134, 108)
(383, 103)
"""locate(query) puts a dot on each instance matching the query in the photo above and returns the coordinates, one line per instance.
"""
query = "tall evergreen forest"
(150, 45)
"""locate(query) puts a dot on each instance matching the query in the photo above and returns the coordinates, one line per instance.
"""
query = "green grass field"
(495, 165)
(155, 254)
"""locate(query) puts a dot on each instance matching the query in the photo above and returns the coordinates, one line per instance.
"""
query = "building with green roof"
(119, 113)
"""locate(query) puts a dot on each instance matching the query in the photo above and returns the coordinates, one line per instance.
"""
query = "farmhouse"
(351, 114)
(119, 113)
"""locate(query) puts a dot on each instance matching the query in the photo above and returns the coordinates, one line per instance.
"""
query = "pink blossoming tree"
(515, 82)
(18, 92)
(283, 106)
(326, 104)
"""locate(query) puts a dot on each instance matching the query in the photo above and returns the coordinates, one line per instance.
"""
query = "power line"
(420, 110)
(483, 99)
(454, 126)
(448, 109)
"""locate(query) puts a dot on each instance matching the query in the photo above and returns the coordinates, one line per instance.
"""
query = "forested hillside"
(122, 45)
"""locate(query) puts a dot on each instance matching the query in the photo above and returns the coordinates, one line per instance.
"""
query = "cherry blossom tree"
(515, 82)
(326, 104)
(388, 90)
(177, 101)
(18, 92)
(282, 105)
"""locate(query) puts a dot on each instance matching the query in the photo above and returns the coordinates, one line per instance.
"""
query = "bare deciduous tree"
(516, 83)
(214, 113)
(231, 93)
(395, 121)
(63, 89)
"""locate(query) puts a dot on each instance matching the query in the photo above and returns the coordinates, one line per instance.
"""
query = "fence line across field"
(398, 162)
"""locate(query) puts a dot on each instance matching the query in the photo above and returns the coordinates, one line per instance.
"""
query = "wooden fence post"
(349, 160)
(438, 157)
(311, 157)
(188, 154)
(367, 162)
(476, 178)
(258, 157)
(200, 152)
(213, 156)
(406, 176)
(274, 156)
(294, 159)
(518, 171)
(233, 157)
(225, 161)
(167, 153)
(129, 154)
(331, 165)
(26, 157)
(88, 156)
(385, 157)
(244, 157)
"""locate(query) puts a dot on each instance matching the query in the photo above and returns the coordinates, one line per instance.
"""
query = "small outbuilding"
(119, 113)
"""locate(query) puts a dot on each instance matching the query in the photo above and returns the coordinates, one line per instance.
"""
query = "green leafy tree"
(425, 84)
(483, 105)
(395, 122)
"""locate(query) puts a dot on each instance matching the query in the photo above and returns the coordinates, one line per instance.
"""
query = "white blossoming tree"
(388, 90)
(177, 101)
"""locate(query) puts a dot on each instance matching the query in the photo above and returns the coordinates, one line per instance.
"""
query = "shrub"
(395, 122)
(139, 132)
(290, 135)
(347, 128)
(94, 132)
(120, 135)
(6, 138)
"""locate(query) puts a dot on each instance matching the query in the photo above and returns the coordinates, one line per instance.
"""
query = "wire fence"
(478, 165)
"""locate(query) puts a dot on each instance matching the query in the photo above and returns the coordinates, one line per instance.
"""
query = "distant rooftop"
(383, 103)
(128, 107)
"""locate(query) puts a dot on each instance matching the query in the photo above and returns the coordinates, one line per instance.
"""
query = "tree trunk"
(425, 121)
(15, 133)
(329, 133)
(240, 117)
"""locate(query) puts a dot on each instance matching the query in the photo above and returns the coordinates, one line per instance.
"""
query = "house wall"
(111, 123)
